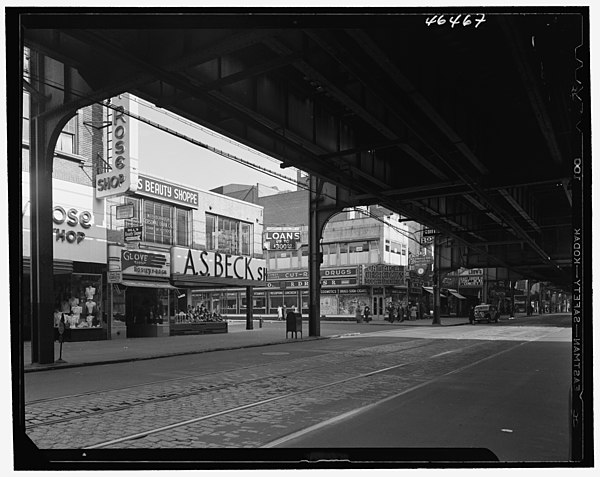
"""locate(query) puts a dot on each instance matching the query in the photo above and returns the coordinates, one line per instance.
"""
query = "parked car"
(487, 313)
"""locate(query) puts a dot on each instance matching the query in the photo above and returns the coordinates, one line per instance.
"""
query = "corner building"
(366, 256)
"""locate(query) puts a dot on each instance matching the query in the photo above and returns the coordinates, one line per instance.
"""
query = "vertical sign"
(123, 177)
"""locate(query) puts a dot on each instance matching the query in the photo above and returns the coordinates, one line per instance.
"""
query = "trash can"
(293, 324)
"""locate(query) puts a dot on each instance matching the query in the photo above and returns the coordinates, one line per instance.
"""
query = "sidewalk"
(86, 353)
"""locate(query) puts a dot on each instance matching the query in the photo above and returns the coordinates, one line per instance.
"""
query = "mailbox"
(293, 322)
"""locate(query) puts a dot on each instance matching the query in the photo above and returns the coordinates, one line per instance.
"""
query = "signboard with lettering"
(114, 276)
(146, 263)
(471, 281)
(124, 211)
(381, 274)
(203, 263)
(123, 175)
(133, 234)
(279, 238)
(325, 273)
(163, 190)
(78, 222)
(416, 263)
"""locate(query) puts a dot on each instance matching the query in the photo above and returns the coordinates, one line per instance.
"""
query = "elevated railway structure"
(467, 122)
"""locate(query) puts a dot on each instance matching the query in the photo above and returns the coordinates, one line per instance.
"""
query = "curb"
(33, 368)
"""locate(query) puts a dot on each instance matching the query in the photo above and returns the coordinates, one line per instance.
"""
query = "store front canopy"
(442, 293)
(142, 284)
(456, 294)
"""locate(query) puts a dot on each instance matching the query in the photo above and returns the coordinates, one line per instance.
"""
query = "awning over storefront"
(141, 284)
(430, 290)
(456, 294)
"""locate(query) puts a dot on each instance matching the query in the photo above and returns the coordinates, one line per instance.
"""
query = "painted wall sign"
(78, 222)
(215, 264)
(123, 176)
(282, 238)
(163, 190)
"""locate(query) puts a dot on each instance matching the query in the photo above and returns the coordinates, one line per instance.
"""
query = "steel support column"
(436, 280)
(318, 217)
(48, 117)
(249, 309)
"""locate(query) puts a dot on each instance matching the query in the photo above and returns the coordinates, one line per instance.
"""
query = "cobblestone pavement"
(252, 406)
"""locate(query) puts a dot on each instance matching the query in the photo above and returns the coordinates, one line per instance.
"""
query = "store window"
(228, 235)
(259, 301)
(79, 301)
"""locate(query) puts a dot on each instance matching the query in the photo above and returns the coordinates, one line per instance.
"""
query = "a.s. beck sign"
(123, 175)
(201, 263)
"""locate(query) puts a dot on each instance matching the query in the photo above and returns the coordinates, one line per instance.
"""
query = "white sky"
(166, 156)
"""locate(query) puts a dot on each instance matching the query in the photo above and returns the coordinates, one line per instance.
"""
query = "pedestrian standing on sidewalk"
(279, 313)
(413, 313)
(471, 314)
(391, 312)
(367, 314)
(358, 314)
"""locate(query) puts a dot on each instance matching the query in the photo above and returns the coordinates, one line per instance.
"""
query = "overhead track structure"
(469, 128)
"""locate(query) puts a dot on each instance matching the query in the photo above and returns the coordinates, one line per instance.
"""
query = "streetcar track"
(203, 389)
(262, 402)
(183, 378)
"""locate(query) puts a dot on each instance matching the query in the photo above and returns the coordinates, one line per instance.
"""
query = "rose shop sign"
(123, 175)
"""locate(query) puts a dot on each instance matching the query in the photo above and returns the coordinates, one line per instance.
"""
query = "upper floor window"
(161, 223)
(67, 141)
(228, 235)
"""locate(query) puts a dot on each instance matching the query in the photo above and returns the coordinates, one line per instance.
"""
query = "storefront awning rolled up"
(141, 284)
(457, 295)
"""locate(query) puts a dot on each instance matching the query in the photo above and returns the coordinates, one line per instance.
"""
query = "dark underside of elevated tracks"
(469, 127)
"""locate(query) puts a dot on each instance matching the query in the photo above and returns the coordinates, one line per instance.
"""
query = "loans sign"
(278, 238)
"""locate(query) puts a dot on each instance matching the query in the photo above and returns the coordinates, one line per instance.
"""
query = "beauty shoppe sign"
(123, 177)
(140, 262)
(201, 263)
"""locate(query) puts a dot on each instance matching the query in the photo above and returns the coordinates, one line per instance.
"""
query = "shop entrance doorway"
(378, 308)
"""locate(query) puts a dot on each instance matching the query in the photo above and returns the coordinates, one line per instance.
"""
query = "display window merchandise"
(79, 305)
